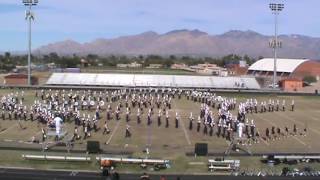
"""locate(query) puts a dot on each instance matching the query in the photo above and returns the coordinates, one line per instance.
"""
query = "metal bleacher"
(226, 165)
(146, 80)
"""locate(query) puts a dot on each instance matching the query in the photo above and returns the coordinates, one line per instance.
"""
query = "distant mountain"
(191, 42)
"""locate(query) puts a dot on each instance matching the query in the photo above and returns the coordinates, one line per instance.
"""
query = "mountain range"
(191, 42)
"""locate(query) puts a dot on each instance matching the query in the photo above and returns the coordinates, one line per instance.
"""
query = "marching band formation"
(219, 116)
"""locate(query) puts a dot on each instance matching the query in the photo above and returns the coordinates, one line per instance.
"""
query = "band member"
(127, 115)
(138, 116)
(191, 121)
(128, 133)
(177, 120)
(159, 117)
(219, 127)
(198, 124)
(252, 130)
(247, 128)
(211, 128)
(75, 134)
(292, 105)
(273, 132)
(267, 134)
(295, 129)
(108, 114)
(149, 119)
(167, 119)
(240, 129)
(117, 114)
(44, 134)
(287, 131)
(106, 129)
(305, 131)
(86, 133)
(278, 132)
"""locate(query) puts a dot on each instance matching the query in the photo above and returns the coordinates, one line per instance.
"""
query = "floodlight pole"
(29, 48)
(29, 17)
(275, 50)
(275, 8)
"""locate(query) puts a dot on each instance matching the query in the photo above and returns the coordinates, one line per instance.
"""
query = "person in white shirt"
(58, 122)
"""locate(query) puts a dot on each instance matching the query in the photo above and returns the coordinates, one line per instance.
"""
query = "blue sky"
(82, 21)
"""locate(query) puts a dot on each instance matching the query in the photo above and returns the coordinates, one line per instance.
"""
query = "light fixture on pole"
(275, 43)
(29, 17)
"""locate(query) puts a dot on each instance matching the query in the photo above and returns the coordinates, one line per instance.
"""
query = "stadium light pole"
(275, 8)
(29, 17)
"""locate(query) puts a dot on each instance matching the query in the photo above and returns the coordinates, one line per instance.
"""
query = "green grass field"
(171, 143)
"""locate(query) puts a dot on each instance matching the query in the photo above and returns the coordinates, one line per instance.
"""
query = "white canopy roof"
(150, 80)
(283, 65)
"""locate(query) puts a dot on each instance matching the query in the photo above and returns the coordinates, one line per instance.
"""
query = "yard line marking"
(298, 122)
(9, 128)
(115, 129)
(264, 141)
(273, 124)
(314, 118)
(299, 140)
(185, 132)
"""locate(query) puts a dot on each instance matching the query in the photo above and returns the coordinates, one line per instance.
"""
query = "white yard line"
(273, 124)
(315, 119)
(264, 141)
(185, 132)
(299, 140)
(9, 128)
(113, 132)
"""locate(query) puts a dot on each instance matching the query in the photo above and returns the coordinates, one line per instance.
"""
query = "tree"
(310, 79)
(54, 57)
(168, 62)
(172, 57)
(7, 58)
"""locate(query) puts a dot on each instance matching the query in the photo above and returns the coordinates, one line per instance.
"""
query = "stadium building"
(293, 68)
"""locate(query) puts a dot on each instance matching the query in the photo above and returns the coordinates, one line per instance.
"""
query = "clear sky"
(85, 21)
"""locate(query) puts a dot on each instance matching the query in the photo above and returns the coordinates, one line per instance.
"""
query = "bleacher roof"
(283, 65)
(144, 80)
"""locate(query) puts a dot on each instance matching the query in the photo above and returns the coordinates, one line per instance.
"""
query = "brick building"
(291, 84)
(19, 79)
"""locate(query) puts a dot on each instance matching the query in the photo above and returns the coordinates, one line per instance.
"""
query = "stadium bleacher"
(143, 80)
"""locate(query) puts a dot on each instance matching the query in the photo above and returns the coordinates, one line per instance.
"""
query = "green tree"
(310, 79)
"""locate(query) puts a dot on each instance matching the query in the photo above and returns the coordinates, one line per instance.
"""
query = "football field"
(171, 142)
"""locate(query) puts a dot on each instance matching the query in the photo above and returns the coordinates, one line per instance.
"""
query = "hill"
(191, 42)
